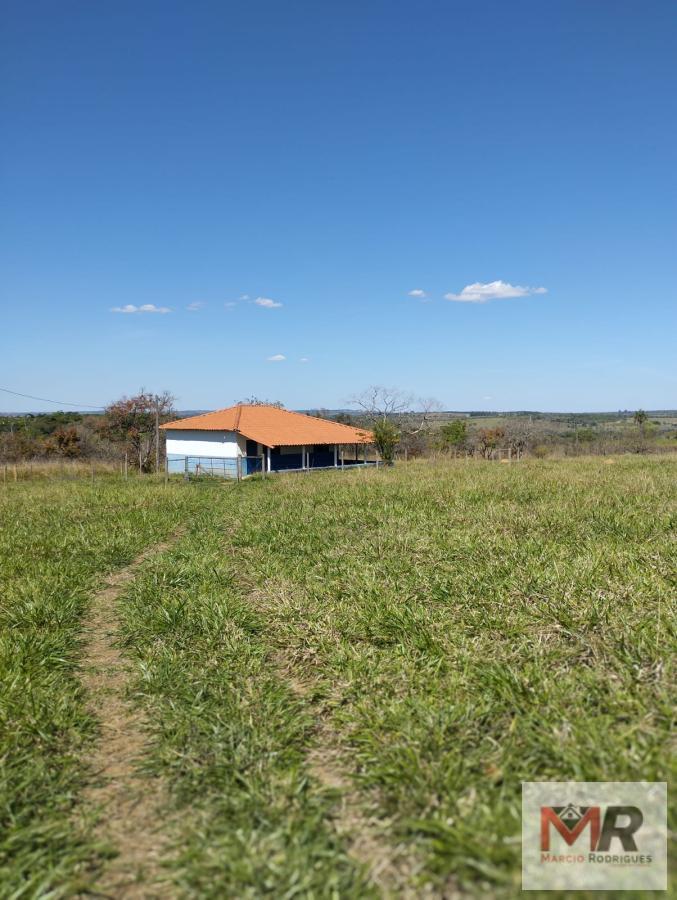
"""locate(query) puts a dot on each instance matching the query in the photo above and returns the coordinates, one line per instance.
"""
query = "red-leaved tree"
(132, 421)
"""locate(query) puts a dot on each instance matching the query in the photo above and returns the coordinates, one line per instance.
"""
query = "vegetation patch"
(345, 668)
(56, 541)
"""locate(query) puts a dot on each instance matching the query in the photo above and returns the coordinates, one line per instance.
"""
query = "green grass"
(466, 626)
(456, 629)
(56, 541)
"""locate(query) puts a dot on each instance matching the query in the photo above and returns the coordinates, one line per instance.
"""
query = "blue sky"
(333, 158)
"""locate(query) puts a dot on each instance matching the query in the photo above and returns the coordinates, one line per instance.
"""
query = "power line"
(46, 400)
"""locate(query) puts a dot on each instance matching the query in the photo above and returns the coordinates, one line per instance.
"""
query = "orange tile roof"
(273, 427)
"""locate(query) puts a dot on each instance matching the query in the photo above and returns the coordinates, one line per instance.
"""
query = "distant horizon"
(656, 411)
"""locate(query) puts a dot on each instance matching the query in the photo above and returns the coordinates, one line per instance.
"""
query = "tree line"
(127, 428)
(404, 426)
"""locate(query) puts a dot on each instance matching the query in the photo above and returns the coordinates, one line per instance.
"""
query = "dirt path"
(131, 803)
(389, 866)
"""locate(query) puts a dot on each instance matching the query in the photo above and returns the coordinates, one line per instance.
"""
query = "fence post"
(166, 471)
(238, 466)
(15, 473)
(263, 465)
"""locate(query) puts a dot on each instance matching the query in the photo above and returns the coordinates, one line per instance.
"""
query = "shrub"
(386, 438)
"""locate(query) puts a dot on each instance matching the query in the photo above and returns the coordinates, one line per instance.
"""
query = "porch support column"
(364, 452)
(335, 455)
(268, 458)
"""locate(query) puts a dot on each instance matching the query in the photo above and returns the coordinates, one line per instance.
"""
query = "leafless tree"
(519, 436)
(410, 414)
(378, 402)
(420, 419)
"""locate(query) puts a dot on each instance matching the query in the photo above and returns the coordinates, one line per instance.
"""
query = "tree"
(519, 435)
(378, 402)
(640, 418)
(386, 439)
(64, 442)
(16, 445)
(133, 422)
(489, 439)
(255, 401)
(453, 435)
(411, 416)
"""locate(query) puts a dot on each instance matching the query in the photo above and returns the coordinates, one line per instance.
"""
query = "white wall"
(220, 444)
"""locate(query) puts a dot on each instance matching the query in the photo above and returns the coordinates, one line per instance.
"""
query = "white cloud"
(279, 357)
(418, 293)
(267, 303)
(145, 308)
(229, 304)
(244, 297)
(492, 290)
(195, 305)
(304, 359)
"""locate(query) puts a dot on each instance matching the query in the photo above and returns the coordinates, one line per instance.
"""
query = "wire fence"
(217, 466)
(245, 466)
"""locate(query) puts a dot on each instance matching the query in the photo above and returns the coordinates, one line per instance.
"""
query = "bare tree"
(420, 419)
(519, 436)
(384, 403)
(378, 402)
(412, 416)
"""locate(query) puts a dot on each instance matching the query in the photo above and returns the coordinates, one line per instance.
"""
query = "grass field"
(345, 676)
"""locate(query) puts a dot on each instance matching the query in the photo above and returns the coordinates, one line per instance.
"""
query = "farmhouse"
(245, 439)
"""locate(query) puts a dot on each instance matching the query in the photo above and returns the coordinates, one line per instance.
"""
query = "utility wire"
(46, 400)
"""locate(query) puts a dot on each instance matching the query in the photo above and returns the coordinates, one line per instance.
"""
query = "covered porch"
(314, 456)
(258, 459)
